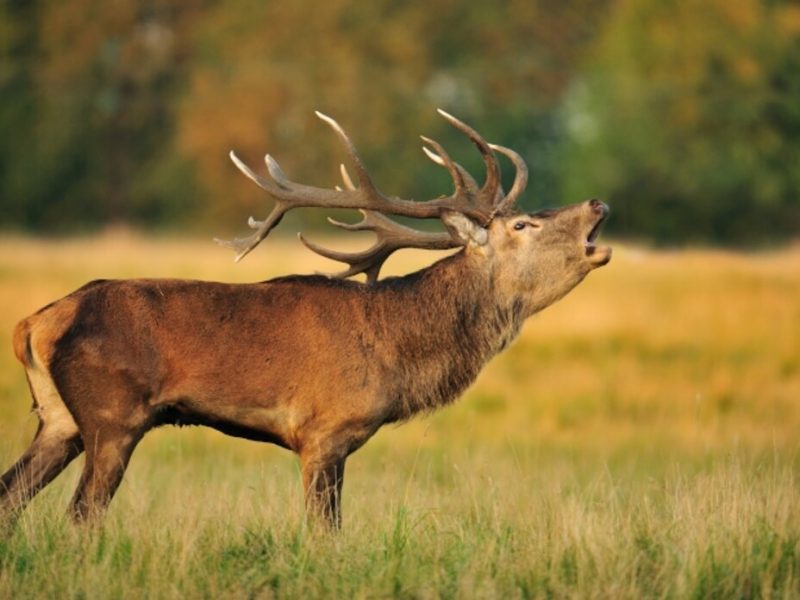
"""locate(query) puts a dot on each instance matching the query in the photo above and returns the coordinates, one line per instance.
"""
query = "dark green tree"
(86, 116)
(687, 118)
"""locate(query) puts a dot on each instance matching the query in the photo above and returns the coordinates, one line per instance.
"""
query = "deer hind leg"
(43, 461)
(56, 444)
(112, 410)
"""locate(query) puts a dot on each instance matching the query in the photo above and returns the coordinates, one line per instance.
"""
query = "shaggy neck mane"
(446, 321)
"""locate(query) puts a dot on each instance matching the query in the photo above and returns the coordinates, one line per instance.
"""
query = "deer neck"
(447, 321)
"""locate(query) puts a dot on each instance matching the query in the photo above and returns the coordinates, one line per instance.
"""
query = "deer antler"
(391, 236)
(479, 203)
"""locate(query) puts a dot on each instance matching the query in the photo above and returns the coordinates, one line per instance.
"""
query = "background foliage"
(684, 115)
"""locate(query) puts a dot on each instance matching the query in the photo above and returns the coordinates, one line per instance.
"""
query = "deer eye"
(520, 225)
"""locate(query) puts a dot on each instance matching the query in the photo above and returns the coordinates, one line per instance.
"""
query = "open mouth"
(598, 255)
(595, 231)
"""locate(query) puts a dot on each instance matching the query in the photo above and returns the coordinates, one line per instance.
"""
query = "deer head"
(538, 257)
(535, 257)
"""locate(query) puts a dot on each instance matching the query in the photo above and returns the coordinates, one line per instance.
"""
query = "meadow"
(640, 439)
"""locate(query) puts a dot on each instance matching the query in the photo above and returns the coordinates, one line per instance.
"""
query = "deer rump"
(313, 364)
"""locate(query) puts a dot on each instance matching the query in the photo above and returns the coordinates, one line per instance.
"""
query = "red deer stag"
(310, 363)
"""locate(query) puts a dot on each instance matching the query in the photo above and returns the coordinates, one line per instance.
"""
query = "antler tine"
(391, 236)
(277, 173)
(470, 185)
(264, 184)
(488, 192)
(440, 157)
(348, 183)
(520, 179)
(243, 246)
(361, 171)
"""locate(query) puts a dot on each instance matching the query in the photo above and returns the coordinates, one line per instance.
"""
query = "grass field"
(640, 439)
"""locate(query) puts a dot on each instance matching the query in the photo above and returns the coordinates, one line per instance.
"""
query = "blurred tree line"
(684, 115)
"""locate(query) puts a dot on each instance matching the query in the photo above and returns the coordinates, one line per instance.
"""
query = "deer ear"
(464, 229)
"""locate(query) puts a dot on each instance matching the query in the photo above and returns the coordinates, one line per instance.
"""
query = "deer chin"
(597, 256)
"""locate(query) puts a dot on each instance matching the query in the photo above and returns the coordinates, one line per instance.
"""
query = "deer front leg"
(323, 452)
(107, 456)
(323, 475)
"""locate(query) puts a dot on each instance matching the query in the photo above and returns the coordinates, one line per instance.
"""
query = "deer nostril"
(597, 206)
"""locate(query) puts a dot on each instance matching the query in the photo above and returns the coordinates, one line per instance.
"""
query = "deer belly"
(251, 419)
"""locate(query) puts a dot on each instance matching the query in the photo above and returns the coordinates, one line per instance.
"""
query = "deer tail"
(21, 340)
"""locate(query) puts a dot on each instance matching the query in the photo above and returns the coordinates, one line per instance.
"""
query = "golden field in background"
(639, 438)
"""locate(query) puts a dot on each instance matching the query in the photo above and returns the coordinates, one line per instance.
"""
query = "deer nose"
(599, 207)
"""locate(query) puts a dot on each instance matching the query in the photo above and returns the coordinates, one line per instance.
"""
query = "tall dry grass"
(638, 440)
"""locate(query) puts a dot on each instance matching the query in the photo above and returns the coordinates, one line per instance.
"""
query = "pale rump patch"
(45, 328)
(52, 411)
